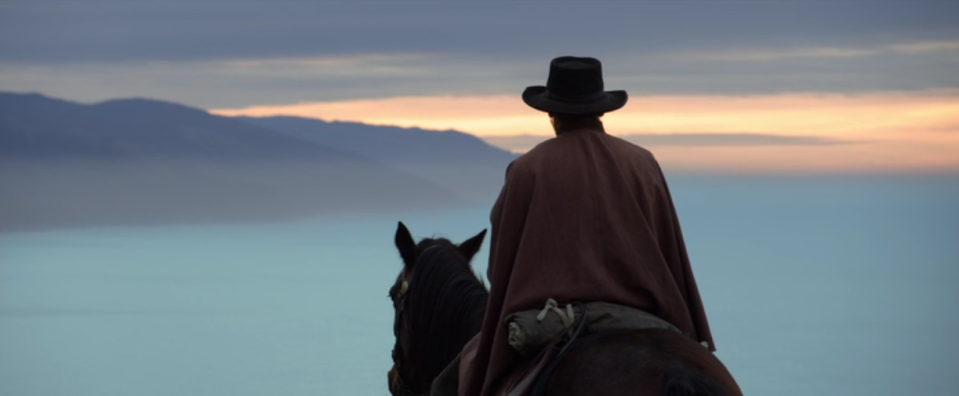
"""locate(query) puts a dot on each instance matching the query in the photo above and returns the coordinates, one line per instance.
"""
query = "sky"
(744, 86)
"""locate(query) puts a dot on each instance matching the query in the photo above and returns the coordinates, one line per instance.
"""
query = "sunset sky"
(714, 86)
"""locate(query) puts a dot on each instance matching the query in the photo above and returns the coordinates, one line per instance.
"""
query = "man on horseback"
(583, 217)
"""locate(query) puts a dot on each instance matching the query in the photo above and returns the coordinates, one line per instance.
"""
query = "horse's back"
(642, 362)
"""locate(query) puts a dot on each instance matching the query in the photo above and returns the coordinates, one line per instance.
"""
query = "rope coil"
(568, 317)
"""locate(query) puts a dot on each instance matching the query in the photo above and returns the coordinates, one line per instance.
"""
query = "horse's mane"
(446, 306)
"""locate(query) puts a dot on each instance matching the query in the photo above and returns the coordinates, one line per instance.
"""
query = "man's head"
(575, 88)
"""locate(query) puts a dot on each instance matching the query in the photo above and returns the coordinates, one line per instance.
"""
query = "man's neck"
(562, 125)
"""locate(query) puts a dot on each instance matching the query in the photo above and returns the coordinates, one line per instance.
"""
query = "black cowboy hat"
(575, 86)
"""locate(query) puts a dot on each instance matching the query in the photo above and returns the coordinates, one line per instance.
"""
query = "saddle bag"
(530, 331)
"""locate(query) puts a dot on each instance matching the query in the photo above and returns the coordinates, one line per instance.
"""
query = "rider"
(582, 217)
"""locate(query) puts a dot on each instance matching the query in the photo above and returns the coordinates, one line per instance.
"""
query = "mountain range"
(458, 161)
(141, 162)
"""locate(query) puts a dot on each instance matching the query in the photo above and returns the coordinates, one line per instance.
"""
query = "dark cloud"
(229, 84)
(218, 54)
(163, 30)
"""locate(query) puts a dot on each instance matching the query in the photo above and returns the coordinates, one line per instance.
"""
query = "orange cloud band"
(886, 130)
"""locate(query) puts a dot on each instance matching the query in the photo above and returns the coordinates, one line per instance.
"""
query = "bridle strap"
(400, 387)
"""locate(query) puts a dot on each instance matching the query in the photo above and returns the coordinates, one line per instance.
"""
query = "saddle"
(546, 335)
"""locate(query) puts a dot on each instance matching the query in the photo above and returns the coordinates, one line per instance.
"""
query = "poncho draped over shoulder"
(583, 217)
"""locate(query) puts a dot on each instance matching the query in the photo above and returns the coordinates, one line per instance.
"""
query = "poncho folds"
(583, 217)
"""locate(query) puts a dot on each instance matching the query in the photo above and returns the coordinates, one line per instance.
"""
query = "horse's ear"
(406, 245)
(470, 246)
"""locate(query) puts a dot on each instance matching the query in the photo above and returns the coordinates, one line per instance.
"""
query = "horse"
(439, 304)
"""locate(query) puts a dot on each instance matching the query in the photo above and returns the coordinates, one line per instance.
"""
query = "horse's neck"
(468, 321)
(450, 331)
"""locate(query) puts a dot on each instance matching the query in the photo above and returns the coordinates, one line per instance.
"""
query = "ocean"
(830, 285)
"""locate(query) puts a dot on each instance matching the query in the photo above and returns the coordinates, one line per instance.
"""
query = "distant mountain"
(462, 162)
(138, 161)
(34, 126)
(386, 143)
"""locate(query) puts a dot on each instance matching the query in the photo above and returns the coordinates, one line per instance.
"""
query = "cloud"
(779, 54)
(876, 156)
(335, 65)
(248, 82)
(925, 47)
(946, 48)
(244, 82)
(867, 116)
(732, 139)
(942, 127)
(156, 30)
(256, 53)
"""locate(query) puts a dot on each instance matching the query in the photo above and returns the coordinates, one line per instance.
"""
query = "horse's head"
(434, 300)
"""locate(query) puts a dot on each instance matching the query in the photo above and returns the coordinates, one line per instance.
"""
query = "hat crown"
(574, 78)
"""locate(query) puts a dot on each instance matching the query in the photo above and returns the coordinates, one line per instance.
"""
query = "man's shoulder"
(629, 146)
(562, 147)
(542, 149)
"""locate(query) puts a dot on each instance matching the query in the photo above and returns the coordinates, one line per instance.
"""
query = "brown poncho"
(583, 217)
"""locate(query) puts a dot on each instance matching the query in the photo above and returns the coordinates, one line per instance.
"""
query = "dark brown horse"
(439, 305)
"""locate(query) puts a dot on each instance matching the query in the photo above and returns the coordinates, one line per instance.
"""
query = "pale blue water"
(814, 286)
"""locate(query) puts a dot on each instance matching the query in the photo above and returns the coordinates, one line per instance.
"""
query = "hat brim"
(537, 98)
